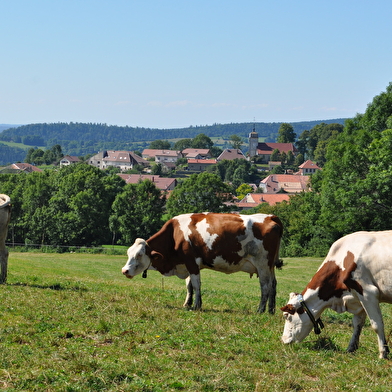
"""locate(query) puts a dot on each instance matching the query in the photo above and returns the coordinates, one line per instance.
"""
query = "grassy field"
(72, 322)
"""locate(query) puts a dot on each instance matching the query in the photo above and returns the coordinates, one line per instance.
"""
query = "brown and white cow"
(223, 242)
(355, 277)
(5, 216)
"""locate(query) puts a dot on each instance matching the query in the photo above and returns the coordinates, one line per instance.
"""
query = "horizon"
(190, 126)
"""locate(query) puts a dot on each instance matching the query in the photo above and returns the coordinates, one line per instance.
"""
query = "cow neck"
(144, 275)
(318, 325)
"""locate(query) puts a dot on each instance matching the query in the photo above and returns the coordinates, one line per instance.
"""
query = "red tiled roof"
(201, 161)
(161, 183)
(231, 154)
(289, 182)
(255, 199)
(270, 147)
(308, 165)
(25, 167)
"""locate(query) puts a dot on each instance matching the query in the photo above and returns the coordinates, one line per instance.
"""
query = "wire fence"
(46, 248)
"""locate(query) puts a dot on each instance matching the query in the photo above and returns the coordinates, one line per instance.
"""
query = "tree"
(35, 219)
(156, 169)
(80, 206)
(240, 175)
(199, 193)
(202, 141)
(137, 212)
(275, 156)
(286, 133)
(182, 144)
(243, 190)
(355, 187)
(290, 158)
(160, 145)
(299, 160)
(313, 143)
(236, 142)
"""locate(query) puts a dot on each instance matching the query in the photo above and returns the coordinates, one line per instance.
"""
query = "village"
(272, 189)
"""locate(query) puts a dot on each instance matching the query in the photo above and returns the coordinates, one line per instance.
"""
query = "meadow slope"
(72, 322)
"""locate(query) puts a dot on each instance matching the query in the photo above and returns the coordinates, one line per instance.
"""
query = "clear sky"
(176, 63)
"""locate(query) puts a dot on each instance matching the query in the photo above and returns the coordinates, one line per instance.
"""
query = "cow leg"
(268, 290)
(196, 284)
(358, 323)
(272, 296)
(372, 308)
(3, 265)
(189, 290)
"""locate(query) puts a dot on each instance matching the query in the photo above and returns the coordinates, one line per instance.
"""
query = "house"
(196, 153)
(273, 164)
(200, 165)
(21, 167)
(125, 160)
(252, 200)
(162, 183)
(288, 183)
(161, 156)
(264, 150)
(308, 167)
(69, 160)
(231, 154)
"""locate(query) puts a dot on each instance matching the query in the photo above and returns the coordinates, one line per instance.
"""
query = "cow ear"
(288, 308)
(156, 255)
(292, 296)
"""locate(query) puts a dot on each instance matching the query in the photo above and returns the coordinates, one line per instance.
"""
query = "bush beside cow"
(355, 276)
(223, 242)
(5, 216)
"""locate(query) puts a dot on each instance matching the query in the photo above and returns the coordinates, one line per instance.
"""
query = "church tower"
(253, 142)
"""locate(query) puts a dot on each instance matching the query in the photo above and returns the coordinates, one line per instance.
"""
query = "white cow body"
(355, 277)
(223, 242)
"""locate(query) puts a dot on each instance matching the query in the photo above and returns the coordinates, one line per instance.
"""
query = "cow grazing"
(355, 277)
(223, 242)
(5, 216)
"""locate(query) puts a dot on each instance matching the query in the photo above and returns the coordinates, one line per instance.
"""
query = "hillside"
(89, 138)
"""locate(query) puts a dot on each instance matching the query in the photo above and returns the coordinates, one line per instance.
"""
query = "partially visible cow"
(5, 216)
(355, 276)
(223, 242)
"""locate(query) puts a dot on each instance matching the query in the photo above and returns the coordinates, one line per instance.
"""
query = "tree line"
(80, 139)
(80, 205)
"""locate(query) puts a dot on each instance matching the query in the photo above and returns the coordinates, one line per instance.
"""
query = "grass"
(72, 322)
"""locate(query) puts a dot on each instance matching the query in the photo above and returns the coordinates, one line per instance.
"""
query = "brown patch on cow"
(291, 309)
(331, 280)
(228, 227)
(162, 243)
(270, 232)
(288, 308)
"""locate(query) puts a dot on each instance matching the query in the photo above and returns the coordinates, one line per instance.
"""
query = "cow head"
(138, 259)
(298, 324)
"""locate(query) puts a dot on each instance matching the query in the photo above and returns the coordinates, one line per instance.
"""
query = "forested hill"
(88, 138)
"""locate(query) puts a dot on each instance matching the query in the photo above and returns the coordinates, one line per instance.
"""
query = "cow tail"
(279, 226)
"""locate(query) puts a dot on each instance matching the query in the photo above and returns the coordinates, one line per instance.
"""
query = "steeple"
(253, 142)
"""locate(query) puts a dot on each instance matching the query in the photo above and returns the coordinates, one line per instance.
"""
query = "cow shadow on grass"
(54, 286)
(209, 310)
(324, 344)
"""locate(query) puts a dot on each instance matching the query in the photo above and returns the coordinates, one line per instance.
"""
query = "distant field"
(72, 322)
(19, 145)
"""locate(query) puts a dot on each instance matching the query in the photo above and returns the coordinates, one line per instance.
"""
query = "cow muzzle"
(126, 273)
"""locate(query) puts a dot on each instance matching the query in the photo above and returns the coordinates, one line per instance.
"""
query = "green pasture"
(72, 322)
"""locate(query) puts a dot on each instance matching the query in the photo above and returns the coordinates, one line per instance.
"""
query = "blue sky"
(172, 63)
